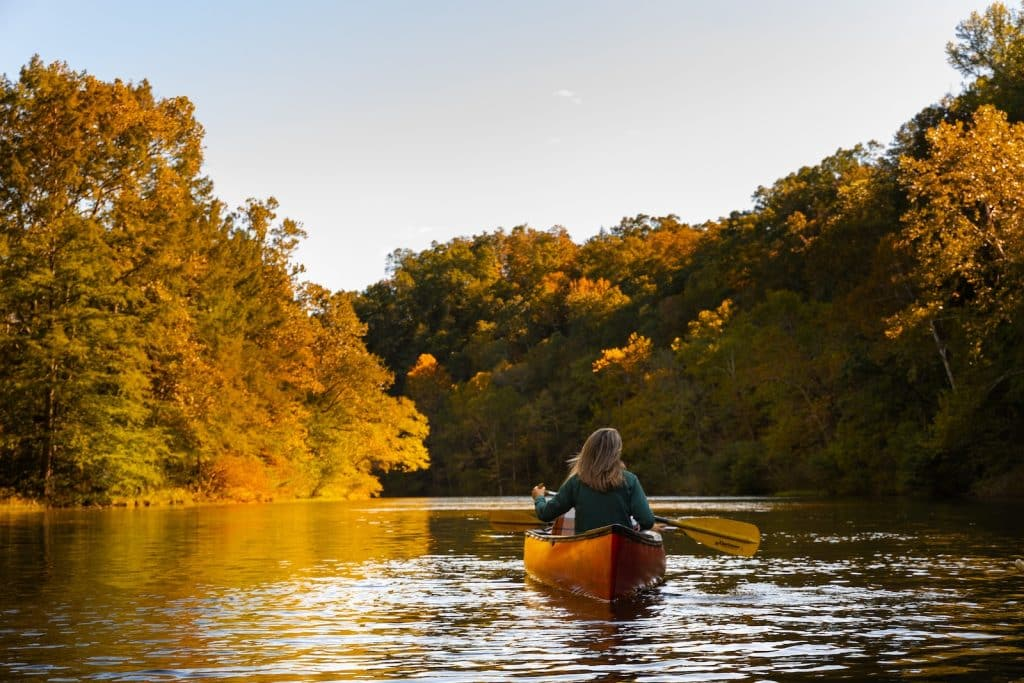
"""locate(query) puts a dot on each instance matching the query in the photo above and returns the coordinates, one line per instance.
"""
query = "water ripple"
(834, 593)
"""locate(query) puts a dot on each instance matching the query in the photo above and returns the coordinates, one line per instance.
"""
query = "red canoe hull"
(606, 563)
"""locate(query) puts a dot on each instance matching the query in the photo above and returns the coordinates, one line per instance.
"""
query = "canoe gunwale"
(653, 538)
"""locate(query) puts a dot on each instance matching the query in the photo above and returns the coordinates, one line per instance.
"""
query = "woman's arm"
(638, 505)
(548, 509)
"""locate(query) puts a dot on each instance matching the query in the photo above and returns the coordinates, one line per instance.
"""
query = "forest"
(154, 344)
(857, 332)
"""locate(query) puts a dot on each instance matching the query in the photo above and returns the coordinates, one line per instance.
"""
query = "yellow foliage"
(965, 224)
(425, 365)
(634, 355)
(552, 283)
(239, 477)
(350, 484)
(709, 325)
(428, 383)
(594, 298)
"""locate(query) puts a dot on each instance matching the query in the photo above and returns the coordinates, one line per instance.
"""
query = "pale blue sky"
(387, 124)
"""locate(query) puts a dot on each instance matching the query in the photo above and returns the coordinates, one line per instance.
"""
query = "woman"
(599, 486)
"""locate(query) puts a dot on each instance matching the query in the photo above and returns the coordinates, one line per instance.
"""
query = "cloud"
(414, 230)
(567, 94)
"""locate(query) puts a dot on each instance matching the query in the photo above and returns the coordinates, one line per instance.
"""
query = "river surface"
(426, 590)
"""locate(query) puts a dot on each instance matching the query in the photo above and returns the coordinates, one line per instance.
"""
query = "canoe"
(607, 563)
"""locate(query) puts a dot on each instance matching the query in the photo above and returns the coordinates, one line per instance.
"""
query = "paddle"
(514, 520)
(727, 535)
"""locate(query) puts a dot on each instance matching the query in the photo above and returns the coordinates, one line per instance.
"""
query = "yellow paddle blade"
(727, 535)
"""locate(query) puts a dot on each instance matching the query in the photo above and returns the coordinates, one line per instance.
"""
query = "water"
(425, 590)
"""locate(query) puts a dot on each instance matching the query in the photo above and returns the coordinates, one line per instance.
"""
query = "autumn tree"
(357, 431)
(855, 332)
(965, 233)
(151, 338)
(99, 181)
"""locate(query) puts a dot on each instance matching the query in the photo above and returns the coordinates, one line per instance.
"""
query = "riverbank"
(19, 503)
(156, 499)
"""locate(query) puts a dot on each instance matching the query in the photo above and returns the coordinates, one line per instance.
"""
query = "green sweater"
(595, 508)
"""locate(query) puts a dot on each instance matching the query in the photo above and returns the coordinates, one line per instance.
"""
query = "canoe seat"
(564, 525)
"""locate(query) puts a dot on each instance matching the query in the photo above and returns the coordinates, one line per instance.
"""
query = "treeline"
(858, 332)
(151, 340)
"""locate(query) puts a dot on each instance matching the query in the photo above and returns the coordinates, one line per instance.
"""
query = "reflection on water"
(424, 589)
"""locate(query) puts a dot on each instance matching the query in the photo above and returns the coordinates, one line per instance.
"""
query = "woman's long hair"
(598, 463)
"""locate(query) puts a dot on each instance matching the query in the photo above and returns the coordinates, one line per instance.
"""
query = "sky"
(388, 124)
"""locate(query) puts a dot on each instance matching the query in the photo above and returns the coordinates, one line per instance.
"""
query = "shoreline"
(164, 499)
(178, 500)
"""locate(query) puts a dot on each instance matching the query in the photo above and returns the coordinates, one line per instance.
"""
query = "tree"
(964, 238)
(150, 339)
(965, 231)
(96, 180)
(483, 456)
(357, 431)
(991, 52)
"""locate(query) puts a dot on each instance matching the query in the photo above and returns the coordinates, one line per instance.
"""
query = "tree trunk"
(943, 353)
(47, 463)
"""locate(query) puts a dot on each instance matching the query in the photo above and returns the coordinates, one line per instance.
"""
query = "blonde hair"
(598, 463)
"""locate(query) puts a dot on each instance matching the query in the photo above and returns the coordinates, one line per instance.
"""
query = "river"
(426, 590)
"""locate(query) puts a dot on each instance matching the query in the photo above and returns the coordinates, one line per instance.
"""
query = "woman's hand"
(539, 491)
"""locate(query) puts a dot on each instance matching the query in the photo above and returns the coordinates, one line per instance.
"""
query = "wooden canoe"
(606, 563)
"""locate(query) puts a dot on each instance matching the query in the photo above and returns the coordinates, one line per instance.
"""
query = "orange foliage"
(239, 477)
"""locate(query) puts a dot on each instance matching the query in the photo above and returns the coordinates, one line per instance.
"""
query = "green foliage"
(990, 51)
(858, 332)
(149, 340)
